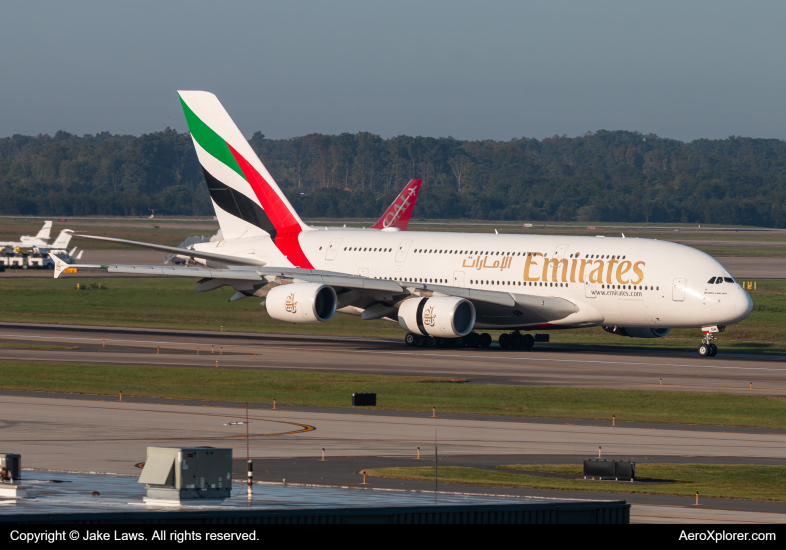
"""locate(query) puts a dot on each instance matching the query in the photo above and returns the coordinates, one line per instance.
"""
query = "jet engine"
(301, 303)
(636, 332)
(442, 316)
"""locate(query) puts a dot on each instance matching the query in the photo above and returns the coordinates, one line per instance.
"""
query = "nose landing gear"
(707, 348)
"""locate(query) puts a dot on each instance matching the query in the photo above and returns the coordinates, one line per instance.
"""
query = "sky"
(472, 70)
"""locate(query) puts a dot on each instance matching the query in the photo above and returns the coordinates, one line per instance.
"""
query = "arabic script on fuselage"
(538, 267)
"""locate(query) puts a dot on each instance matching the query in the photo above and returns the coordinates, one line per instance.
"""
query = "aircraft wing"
(239, 273)
(384, 290)
(218, 258)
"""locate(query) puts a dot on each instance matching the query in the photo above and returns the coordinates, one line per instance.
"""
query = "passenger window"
(711, 281)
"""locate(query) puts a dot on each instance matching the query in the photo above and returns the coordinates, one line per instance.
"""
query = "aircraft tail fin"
(400, 212)
(246, 198)
(63, 239)
(44, 232)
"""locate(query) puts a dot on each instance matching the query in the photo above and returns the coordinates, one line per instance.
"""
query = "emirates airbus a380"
(440, 287)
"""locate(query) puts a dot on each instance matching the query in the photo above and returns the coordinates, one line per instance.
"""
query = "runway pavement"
(754, 267)
(111, 436)
(745, 374)
(73, 434)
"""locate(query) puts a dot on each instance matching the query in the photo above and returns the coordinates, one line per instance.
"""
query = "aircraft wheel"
(705, 350)
(517, 340)
(504, 340)
(431, 342)
(420, 341)
(472, 340)
(409, 339)
(485, 340)
(458, 342)
(713, 350)
(528, 341)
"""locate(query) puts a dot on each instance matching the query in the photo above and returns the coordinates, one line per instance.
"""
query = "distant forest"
(611, 176)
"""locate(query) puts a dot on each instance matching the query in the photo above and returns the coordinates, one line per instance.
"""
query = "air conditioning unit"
(187, 473)
(13, 463)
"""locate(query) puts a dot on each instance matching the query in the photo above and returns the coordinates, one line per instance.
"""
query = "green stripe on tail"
(209, 140)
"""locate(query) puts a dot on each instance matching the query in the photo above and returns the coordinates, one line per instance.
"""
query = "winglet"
(61, 266)
(400, 212)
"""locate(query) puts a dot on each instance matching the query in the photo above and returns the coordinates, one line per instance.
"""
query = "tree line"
(611, 176)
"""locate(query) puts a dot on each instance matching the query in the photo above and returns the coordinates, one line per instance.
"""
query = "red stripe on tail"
(287, 227)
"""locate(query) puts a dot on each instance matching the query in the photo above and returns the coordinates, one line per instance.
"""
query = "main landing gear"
(471, 340)
(516, 340)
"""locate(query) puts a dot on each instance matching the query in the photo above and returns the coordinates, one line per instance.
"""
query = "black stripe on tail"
(237, 204)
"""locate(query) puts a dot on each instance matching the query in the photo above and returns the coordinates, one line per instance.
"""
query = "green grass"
(151, 302)
(404, 393)
(749, 482)
(172, 303)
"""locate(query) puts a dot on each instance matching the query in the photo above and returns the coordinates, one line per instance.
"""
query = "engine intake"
(636, 332)
(441, 316)
(301, 303)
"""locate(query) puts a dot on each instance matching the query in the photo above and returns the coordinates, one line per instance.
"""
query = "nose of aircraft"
(743, 305)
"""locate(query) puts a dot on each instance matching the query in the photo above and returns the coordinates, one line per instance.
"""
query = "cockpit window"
(719, 280)
(711, 281)
(728, 279)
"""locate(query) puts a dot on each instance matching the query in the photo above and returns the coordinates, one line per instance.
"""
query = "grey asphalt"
(371, 411)
(87, 435)
(583, 367)
(754, 268)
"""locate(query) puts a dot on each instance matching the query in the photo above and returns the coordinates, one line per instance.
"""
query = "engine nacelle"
(301, 303)
(636, 332)
(442, 316)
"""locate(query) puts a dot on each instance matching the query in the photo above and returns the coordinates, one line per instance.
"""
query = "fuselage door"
(332, 249)
(678, 290)
(589, 289)
(401, 255)
(458, 279)
(559, 252)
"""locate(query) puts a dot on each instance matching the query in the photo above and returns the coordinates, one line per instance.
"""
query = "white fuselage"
(625, 282)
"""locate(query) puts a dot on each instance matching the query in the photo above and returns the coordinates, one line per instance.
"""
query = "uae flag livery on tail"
(247, 201)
